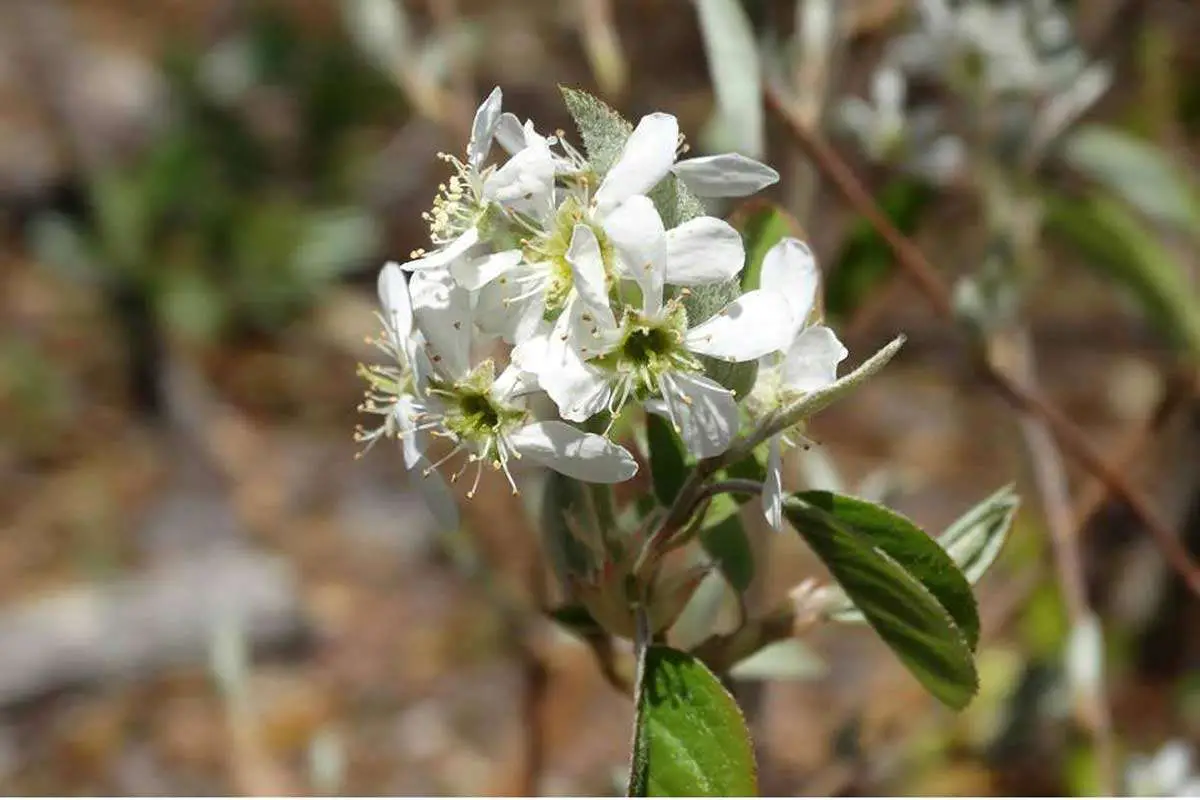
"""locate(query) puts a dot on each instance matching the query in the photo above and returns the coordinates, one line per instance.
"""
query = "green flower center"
(551, 248)
(472, 412)
(650, 347)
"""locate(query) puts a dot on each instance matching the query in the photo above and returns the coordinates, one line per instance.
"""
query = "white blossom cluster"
(1016, 61)
(578, 273)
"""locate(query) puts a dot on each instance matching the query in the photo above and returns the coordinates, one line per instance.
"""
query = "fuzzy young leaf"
(691, 738)
(906, 615)
(911, 548)
(976, 538)
(815, 401)
(602, 129)
(668, 461)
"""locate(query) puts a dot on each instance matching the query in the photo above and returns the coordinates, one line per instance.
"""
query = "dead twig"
(918, 268)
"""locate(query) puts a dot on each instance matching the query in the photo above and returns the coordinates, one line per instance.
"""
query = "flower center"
(458, 205)
(648, 348)
(473, 414)
(551, 249)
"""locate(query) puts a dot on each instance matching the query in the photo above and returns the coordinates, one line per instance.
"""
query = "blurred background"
(203, 592)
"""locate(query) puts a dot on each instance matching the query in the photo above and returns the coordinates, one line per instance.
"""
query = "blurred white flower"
(806, 362)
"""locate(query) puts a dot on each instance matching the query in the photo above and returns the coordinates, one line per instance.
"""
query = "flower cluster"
(1016, 62)
(578, 273)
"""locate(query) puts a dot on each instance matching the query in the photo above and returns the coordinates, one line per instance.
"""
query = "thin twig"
(1050, 476)
(914, 263)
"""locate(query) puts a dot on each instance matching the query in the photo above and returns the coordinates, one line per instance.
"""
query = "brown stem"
(1050, 476)
(918, 268)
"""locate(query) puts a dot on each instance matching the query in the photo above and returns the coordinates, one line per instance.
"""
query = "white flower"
(889, 133)
(395, 391)
(806, 363)
(646, 158)
(518, 291)
(482, 414)
(592, 361)
(471, 210)
(1168, 773)
(649, 154)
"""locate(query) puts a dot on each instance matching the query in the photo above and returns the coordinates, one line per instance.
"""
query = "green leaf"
(691, 738)
(1138, 172)
(976, 538)
(902, 611)
(762, 226)
(733, 63)
(908, 546)
(668, 462)
(1121, 247)
(602, 129)
(727, 543)
(789, 660)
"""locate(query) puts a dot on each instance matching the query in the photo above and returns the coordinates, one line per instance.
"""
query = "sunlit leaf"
(976, 538)
(906, 615)
(908, 546)
(691, 738)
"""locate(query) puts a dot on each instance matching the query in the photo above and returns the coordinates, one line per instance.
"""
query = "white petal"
(707, 418)
(587, 270)
(644, 161)
(510, 134)
(442, 258)
(575, 386)
(812, 360)
(436, 494)
(703, 250)
(755, 324)
(790, 269)
(578, 389)
(516, 380)
(498, 314)
(772, 494)
(393, 296)
(584, 456)
(725, 175)
(471, 273)
(483, 129)
(637, 233)
(526, 176)
(411, 441)
(443, 313)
